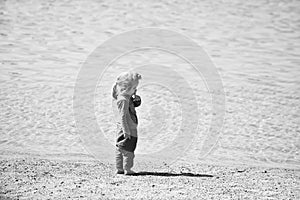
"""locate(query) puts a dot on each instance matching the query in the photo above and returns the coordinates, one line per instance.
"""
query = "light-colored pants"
(126, 156)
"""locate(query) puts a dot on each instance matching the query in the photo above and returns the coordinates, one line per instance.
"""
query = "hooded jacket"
(125, 114)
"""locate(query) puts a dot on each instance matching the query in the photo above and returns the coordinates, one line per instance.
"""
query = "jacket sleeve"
(123, 107)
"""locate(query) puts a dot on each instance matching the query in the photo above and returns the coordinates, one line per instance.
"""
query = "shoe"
(119, 172)
(129, 172)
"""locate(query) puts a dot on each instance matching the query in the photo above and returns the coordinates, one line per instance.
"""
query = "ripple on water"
(253, 43)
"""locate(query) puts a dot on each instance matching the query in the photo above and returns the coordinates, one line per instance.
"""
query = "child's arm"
(123, 107)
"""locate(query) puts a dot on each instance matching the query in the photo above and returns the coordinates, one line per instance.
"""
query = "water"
(254, 44)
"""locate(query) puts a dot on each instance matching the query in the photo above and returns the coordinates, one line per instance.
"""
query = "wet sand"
(254, 45)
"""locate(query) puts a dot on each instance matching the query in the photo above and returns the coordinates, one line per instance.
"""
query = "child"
(126, 100)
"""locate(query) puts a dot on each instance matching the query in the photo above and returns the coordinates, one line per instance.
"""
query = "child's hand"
(127, 136)
(136, 100)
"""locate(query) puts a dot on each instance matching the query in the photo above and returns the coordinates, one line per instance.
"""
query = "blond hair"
(124, 83)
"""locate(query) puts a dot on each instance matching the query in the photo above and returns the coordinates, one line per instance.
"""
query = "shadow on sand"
(170, 174)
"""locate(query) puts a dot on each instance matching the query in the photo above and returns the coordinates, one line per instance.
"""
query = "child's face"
(133, 88)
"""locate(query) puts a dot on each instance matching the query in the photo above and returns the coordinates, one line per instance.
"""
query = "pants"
(126, 144)
(125, 151)
(126, 156)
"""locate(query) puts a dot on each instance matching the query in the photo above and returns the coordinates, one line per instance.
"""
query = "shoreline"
(85, 157)
(44, 178)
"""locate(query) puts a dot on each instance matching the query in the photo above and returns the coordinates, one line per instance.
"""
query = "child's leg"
(128, 160)
(119, 160)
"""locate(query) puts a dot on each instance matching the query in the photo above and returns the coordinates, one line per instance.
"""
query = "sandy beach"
(38, 178)
(254, 45)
